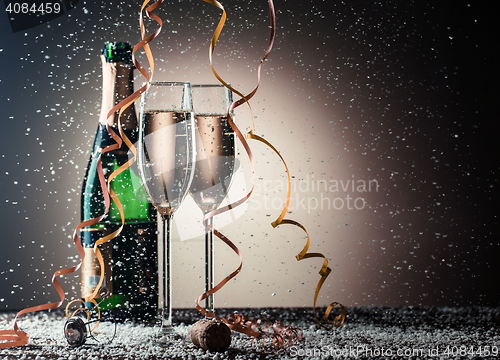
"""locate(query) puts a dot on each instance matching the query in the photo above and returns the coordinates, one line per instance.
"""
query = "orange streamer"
(281, 335)
(121, 107)
(18, 337)
(325, 270)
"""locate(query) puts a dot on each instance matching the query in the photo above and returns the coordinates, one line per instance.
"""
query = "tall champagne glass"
(166, 155)
(215, 164)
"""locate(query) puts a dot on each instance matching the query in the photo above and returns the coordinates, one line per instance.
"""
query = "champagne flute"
(215, 165)
(165, 156)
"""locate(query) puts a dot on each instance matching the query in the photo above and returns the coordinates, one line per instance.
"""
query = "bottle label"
(91, 269)
(130, 272)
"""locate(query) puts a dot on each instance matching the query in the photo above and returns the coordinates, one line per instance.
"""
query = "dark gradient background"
(401, 92)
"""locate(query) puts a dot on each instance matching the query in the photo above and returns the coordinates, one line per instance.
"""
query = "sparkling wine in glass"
(166, 156)
(215, 164)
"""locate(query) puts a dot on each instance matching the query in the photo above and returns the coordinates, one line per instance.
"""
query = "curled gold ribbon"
(18, 337)
(121, 107)
(325, 270)
(281, 335)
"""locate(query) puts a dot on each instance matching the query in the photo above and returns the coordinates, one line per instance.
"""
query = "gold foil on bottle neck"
(117, 84)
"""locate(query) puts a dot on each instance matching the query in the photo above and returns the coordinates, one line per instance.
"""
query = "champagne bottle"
(130, 273)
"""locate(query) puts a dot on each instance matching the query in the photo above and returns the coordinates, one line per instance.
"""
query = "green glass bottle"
(130, 258)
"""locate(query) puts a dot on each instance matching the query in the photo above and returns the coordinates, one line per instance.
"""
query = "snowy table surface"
(368, 333)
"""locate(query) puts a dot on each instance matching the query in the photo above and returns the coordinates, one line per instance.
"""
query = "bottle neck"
(117, 84)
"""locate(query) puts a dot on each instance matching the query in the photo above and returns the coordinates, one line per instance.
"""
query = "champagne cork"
(211, 334)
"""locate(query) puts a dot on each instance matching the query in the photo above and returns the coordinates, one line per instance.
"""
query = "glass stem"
(209, 265)
(165, 272)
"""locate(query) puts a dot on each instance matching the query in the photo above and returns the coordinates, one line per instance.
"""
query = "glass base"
(166, 336)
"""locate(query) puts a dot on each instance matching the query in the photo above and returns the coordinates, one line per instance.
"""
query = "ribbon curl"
(325, 271)
(121, 107)
(242, 324)
(17, 337)
(281, 335)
